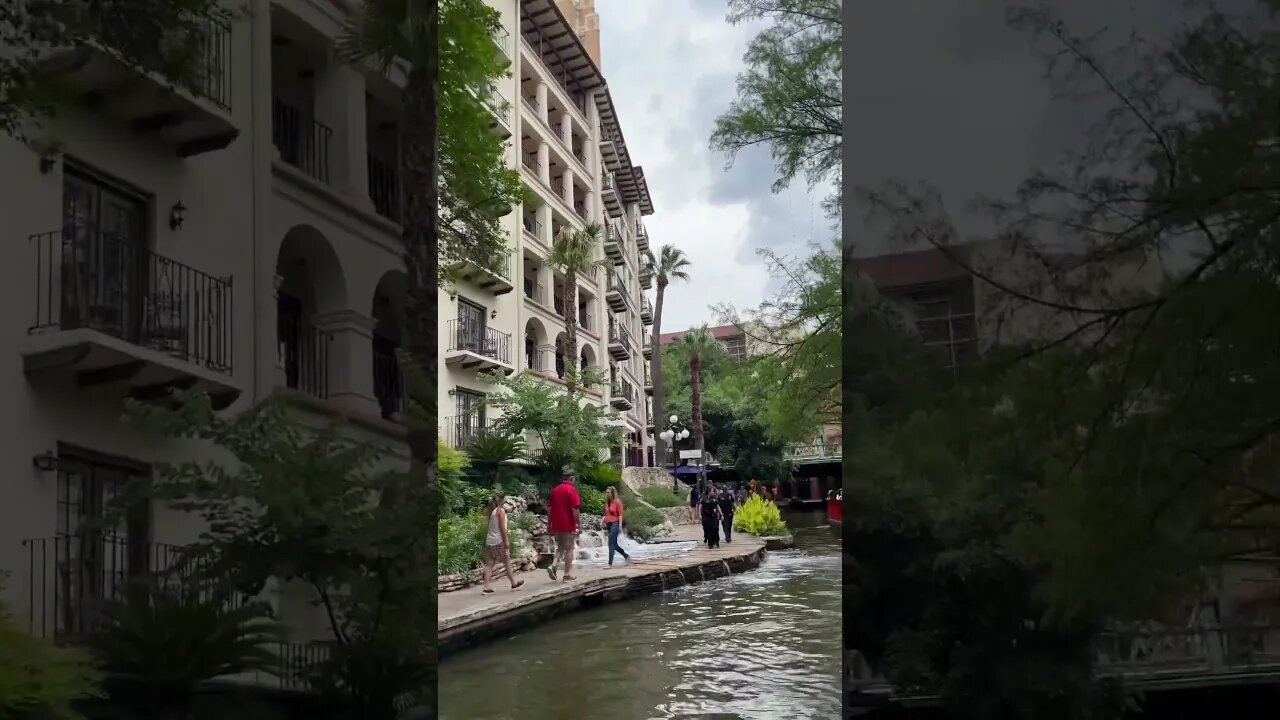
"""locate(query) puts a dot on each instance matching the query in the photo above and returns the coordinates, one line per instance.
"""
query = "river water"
(763, 644)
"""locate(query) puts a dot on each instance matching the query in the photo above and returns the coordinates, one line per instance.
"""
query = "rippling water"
(763, 644)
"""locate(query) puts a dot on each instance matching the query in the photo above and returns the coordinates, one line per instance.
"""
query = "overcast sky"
(671, 66)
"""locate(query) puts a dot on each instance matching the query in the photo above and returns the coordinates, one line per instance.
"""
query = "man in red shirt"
(563, 523)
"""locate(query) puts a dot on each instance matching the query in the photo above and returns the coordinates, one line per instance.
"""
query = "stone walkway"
(466, 614)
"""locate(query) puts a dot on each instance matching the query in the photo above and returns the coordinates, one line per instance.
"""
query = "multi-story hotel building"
(585, 23)
(241, 237)
(566, 140)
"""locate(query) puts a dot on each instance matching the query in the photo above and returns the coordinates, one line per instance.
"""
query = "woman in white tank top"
(496, 544)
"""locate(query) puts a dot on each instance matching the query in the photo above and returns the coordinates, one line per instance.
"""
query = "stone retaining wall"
(681, 515)
(638, 478)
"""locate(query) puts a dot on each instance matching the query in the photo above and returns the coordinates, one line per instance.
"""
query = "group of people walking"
(717, 507)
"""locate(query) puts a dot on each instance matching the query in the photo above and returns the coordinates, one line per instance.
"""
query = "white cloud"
(671, 66)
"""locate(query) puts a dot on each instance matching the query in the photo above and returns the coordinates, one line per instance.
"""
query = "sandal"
(487, 591)
(517, 586)
(567, 578)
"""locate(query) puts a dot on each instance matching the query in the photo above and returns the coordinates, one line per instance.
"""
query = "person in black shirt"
(711, 519)
(727, 503)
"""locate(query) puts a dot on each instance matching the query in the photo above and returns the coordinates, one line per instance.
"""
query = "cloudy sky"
(671, 66)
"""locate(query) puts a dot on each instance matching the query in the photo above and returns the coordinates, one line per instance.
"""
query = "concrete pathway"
(469, 612)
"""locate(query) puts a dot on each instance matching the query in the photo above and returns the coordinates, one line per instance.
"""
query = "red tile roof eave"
(921, 267)
(720, 332)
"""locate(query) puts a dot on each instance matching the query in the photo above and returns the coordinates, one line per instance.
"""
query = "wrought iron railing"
(499, 105)
(479, 339)
(94, 280)
(619, 333)
(645, 307)
(459, 431)
(502, 38)
(304, 355)
(531, 161)
(606, 181)
(621, 388)
(535, 291)
(533, 227)
(302, 140)
(384, 187)
(557, 303)
(585, 321)
(808, 451)
(73, 576)
(557, 186)
(388, 382)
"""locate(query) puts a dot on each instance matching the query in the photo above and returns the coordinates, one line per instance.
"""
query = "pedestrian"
(497, 544)
(613, 522)
(726, 513)
(711, 519)
(694, 497)
(564, 523)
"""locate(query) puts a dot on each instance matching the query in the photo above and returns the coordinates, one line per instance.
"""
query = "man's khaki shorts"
(564, 542)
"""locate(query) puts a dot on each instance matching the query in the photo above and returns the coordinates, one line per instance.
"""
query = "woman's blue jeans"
(615, 529)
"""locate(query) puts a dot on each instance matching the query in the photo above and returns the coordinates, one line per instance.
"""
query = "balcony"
(646, 348)
(304, 356)
(502, 38)
(115, 313)
(501, 111)
(619, 342)
(479, 348)
(613, 245)
(384, 188)
(609, 193)
(490, 274)
(71, 576)
(586, 322)
(622, 394)
(646, 311)
(301, 140)
(646, 276)
(642, 237)
(459, 431)
(121, 75)
(608, 150)
(533, 230)
(648, 385)
(615, 294)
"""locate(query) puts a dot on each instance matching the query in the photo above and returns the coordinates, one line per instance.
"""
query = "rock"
(591, 522)
(515, 505)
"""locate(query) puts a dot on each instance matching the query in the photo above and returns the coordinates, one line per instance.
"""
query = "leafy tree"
(301, 504)
(574, 252)
(670, 264)
(163, 36)
(39, 679)
(790, 96)
(569, 431)
(695, 344)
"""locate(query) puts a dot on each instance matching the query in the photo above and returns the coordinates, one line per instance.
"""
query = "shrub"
(39, 679)
(461, 541)
(759, 517)
(663, 498)
(592, 500)
(642, 518)
(602, 476)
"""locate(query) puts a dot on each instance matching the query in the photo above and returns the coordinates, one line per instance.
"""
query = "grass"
(664, 498)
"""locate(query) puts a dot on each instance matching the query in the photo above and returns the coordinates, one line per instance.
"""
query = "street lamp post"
(674, 432)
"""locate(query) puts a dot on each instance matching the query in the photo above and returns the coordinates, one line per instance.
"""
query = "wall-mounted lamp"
(45, 462)
(453, 392)
(493, 314)
(453, 297)
(177, 215)
(47, 162)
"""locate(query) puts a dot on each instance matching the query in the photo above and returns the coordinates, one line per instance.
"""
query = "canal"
(763, 644)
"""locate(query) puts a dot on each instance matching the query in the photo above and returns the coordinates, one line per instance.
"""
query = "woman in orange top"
(613, 522)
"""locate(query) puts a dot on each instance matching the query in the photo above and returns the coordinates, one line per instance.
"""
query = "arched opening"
(309, 283)
(587, 359)
(388, 337)
(562, 352)
(535, 336)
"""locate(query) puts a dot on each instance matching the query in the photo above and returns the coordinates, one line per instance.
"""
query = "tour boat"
(835, 509)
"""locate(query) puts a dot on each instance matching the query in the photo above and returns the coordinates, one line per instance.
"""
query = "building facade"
(241, 237)
(585, 23)
(564, 136)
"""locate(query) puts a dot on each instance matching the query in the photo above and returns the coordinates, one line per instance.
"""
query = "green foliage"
(641, 521)
(759, 517)
(790, 96)
(40, 680)
(601, 476)
(175, 639)
(452, 476)
(569, 431)
(461, 541)
(162, 36)
(592, 500)
(308, 505)
(663, 498)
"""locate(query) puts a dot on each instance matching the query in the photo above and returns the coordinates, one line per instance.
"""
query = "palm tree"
(696, 344)
(573, 252)
(670, 265)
